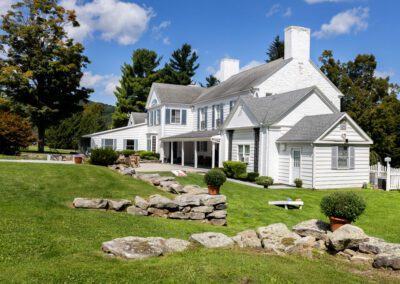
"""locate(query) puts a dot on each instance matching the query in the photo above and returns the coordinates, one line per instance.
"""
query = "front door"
(296, 161)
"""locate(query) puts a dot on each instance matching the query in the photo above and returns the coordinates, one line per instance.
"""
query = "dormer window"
(154, 102)
(343, 125)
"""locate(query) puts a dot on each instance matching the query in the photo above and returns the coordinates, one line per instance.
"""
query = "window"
(343, 157)
(108, 143)
(244, 153)
(203, 125)
(130, 144)
(153, 143)
(343, 125)
(175, 116)
(158, 116)
(231, 105)
(202, 146)
(217, 116)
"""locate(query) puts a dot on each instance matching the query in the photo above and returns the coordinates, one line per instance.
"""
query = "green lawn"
(45, 240)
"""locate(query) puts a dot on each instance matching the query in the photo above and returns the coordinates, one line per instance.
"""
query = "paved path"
(38, 161)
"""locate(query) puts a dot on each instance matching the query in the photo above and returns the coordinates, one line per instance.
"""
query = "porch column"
(162, 152)
(183, 153)
(212, 154)
(195, 154)
(172, 153)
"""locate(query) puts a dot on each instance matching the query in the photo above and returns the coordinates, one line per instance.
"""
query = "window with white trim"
(130, 144)
(108, 143)
(153, 143)
(203, 125)
(217, 116)
(244, 153)
(202, 146)
(343, 157)
(175, 116)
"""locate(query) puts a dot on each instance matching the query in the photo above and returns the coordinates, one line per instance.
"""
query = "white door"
(296, 161)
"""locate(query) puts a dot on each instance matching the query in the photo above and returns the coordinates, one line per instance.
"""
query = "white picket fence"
(385, 177)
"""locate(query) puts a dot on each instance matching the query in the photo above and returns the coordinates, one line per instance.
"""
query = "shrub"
(252, 176)
(234, 169)
(15, 132)
(127, 153)
(346, 205)
(215, 177)
(103, 156)
(298, 182)
(265, 181)
(243, 176)
(148, 155)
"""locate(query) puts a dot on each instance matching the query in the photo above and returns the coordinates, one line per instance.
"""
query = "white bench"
(287, 203)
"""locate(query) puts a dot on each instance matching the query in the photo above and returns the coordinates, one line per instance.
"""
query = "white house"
(282, 118)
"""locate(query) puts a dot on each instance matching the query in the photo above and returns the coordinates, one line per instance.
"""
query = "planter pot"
(78, 160)
(336, 223)
(213, 190)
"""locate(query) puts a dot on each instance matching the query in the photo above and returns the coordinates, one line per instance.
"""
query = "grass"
(31, 153)
(45, 240)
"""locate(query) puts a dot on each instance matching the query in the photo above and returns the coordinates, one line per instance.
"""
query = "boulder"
(320, 245)
(222, 206)
(128, 171)
(247, 239)
(211, 200)
(90, 203)
(178, 215)
(158, 180)
(141, 203)
(218, 222)
(186, 209)
(193, 189)
(118, 204)
(362, 259)
(187, 200)
(212, 240)
(197, 216)
(161, 202)
(347, 236)
(158, 212)
(203, 209)
(387, 260)
(217, 214)
(176, 188)
(165, 185)
(314, 228)
(276, 237)
(302, 246)
(176, 245)
(133, 210)
(377, 246)
(147, 177)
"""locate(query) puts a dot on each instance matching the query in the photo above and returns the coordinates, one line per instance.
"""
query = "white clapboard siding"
(336, 134)
(243, 137)
(326, 177)
(175, 129)
(226, 111)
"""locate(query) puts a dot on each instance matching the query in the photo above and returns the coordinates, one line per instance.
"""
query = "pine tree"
(276, 50)
(211, 81)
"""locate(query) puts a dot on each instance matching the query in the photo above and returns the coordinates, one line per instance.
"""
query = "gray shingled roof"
(139, 117)
(169, 93)
(271, 109)
(194, 135)
(310, 128)
(242, 81)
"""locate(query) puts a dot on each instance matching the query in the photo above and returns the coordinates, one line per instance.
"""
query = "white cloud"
(116, 20)
(103, 85)
(166, 40)
(217, 72)
(322, 1)
(288, 12)
(384, 74)
(5, 5)
(278, 9)
(353, 20)
(162, 25)
(273, 10)
(158, 32)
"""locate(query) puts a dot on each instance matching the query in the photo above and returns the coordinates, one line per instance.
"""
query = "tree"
(41, 67)
(15, 132)
(276, 49)
(135, 84)
(182, 66)
(211, 81)
(371, 101)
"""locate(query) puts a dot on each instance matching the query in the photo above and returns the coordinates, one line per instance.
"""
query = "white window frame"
(134, 144)
(175, 116)
(202, 124)
(153, 143)
(243, 155)
(158, 118)
(108, 146)
(343, 157)
(217, 116)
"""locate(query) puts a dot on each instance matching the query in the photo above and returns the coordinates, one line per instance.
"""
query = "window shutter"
(184, 117)
(213, 117)
(206, 117)
(221, 109)
(158, 117)
(124, 144)
(352, 156)
(198, 119)
(334, 157)
(114, 144)
(167, 116)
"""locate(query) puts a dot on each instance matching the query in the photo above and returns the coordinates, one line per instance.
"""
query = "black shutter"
(167, 116)
(184, 117)
(256, 148)
(206, 117)
(198, 119)
(213, 116)
(230, 138)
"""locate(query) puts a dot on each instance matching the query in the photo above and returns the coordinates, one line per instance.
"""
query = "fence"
(385, 177)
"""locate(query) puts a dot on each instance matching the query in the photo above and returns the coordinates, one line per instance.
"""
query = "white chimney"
(297, 43)
(228, 67)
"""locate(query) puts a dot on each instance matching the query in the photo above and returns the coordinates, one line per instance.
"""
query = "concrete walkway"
(38, 161)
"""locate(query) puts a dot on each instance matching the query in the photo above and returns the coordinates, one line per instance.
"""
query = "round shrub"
(234, 169)
(103, 156)
(252, 176)
(265, 181)
(345, 205)
(215, 177)
(298, 182)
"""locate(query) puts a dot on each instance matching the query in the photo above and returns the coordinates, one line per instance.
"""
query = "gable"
(336, 134)
(240, 118)
(152, 100)
(313, 105)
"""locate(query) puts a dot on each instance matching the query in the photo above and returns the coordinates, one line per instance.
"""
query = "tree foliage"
(40, 67)
(276, 49)
(15, 132)
(371, 101)
(211, 81)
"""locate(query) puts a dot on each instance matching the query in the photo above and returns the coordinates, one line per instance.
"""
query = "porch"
(198, 149)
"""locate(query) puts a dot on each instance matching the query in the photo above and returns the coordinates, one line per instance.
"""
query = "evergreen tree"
(135, 85)
(211, 81)
(276, 49)
(41, 68)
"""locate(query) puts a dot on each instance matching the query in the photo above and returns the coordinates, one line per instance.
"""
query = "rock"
(377, 246)
(165, 185)
(212, 240)
(147, 177)
(211, 200)
(141, 203)
(247, 239)
(186, 209)
(308, 241)
(347, 236)
(187, 199)
(118, 205)
(386, 260)
(203, 209)
(128, 171)
(140, 248)
(176, 188)
(302, 246)
(158, 180)
(113, 167)
(178, 215)
(197, 191)
(362, 259)
(161, 202)
(320, 245)
(222, 206)
(158, 212)
(314, 228)
(90, 203)
(133, 210)
(197, 216)
(276, 237)
(217, 214)
(218, 222)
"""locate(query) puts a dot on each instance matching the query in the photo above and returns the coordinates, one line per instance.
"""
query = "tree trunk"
(41, 131)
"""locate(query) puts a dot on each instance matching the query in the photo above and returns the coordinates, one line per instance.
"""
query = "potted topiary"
(342, 208)
(214, 178)
(298, 182)
(265, 181)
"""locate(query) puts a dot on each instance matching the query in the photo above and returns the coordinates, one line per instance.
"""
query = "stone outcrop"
(247, 239)
(277, 238)
(314, 228)
(123, 169)
(347, 236)
(212, 240)
(118, 204)
(90, 203)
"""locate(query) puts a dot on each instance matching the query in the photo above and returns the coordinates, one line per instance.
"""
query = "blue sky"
(112, 29)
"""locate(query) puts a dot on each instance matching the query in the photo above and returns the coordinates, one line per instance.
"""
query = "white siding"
(326, 177)
(336, 134)
(243, 137)
(240, 119)
(175, 129)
